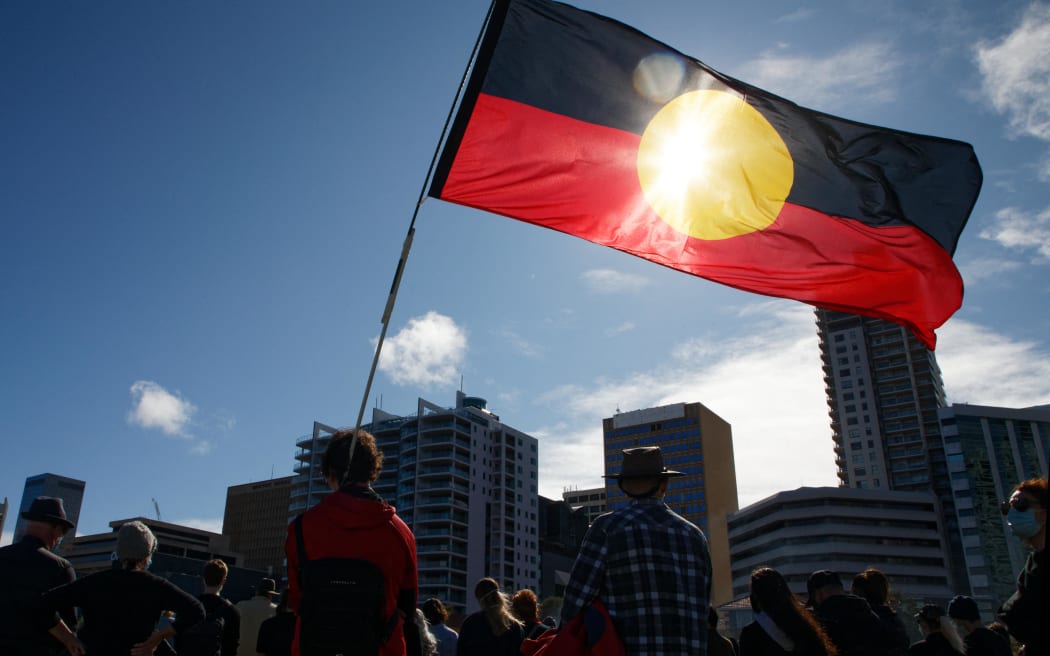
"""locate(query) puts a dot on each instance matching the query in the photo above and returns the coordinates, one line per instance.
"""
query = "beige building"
(698, 443)
(256, 522)
(591, 500)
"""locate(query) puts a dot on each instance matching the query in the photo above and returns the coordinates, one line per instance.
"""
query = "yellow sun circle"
(712, 167)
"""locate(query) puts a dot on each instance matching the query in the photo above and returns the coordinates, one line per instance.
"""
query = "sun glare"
(712, 167)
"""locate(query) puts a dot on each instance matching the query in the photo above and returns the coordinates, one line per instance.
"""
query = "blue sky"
(203, 205)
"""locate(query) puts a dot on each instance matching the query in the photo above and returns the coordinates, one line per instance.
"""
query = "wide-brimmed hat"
(48, 509)
(267, 587)
(643, 462)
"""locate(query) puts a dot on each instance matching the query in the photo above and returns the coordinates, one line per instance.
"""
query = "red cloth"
(343, 526)
(591, 633)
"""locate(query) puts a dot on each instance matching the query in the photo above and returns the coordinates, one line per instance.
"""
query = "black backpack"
(203, 638)
(341, 605)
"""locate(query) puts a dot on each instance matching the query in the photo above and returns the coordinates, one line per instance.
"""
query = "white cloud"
(156, 407)
(204, 524)
(428, 351)
(861, 73)
(1016, 73)
(982, 367)
(608, 281)
(799, 15)
(1021, 230)
(625, 327)
(521, 345)
(986, 268)
(767, 384)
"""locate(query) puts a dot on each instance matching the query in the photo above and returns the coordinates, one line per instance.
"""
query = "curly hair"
(1035, 488)
(525, 606)
(434, 611)
(368, 459)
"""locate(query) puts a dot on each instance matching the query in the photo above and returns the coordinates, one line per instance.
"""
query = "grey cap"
(135, 541)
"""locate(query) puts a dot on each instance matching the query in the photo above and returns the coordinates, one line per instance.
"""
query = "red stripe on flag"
(579, 178)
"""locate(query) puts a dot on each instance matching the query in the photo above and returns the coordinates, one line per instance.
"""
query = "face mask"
(1023, 524)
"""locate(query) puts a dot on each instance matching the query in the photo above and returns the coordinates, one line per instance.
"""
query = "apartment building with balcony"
(884, 389)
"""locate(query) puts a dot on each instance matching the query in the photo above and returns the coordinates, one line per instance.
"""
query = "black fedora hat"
(47, 509)
(643, 462)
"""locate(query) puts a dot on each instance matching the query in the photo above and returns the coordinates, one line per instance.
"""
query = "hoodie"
(355, 523)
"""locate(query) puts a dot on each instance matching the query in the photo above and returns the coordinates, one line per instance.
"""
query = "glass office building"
(989, 450)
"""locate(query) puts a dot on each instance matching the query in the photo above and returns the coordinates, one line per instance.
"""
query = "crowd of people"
(641, 585)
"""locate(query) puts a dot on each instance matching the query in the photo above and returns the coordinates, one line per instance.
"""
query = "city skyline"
(206, 206)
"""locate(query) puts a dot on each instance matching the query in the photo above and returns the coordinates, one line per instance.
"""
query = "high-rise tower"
(884, 389)
(70, 490)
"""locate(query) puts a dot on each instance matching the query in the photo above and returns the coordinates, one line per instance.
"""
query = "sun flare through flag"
(581, 124)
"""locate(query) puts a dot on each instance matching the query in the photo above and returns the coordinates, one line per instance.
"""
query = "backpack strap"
(300, 549)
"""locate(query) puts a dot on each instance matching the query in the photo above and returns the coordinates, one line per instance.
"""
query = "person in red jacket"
(355, 523)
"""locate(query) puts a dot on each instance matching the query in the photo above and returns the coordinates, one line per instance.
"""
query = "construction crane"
(156, 508)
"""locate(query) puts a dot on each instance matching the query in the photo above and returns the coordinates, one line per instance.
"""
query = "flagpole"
(406, 247)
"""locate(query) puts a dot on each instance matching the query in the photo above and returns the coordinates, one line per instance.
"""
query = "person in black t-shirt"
(121, 606)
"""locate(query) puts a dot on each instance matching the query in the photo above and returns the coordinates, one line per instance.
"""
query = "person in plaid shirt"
(649, 566)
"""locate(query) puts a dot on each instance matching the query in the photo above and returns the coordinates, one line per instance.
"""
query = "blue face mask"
(1023, 523)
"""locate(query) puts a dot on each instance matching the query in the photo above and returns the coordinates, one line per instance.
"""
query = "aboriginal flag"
(578, 123)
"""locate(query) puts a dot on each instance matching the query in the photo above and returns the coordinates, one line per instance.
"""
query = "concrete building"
(884, 389)
(698, 443)
(561, 531)
(256, 522)
(846, 530)
(466, 484)
(592, 501)
(181, 553)
(70, 490)
(989, 450)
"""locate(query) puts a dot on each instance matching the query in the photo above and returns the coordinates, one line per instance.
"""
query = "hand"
(147, 646)
(75, 647)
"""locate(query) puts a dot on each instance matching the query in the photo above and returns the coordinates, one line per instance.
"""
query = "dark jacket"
(27, 570)
(754, 641)
(894, 627)
(276, 635)
(985, 642)
(718, 644)
(121, 608)
(355, 523)
(214, 605)
(477, 639)
(853, 627)
(1023, 612)
(934, 644)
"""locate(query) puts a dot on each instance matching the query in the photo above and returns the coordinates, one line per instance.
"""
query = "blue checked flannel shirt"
(652, 569)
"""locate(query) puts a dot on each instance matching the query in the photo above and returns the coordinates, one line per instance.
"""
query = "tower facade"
(989, 450)
(463, 481)
(884, 389)
(256, 523)
(698, 443)
(70, 490)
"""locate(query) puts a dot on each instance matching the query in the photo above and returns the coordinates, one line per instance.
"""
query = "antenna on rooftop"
(156, 508)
